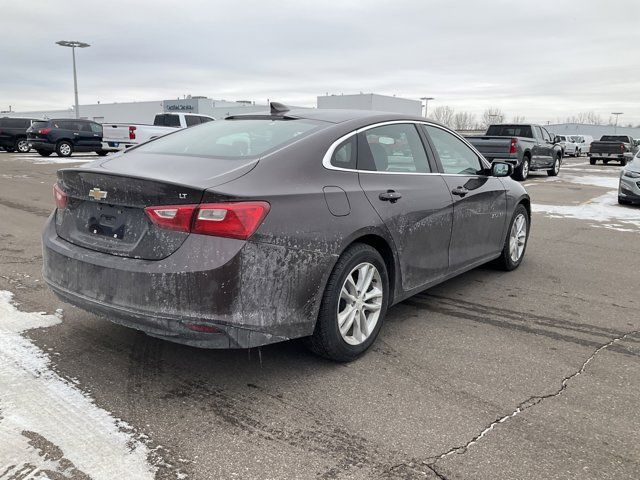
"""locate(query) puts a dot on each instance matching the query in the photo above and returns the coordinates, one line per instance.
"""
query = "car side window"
(192, 120)
(546, 135)
(205, 119)
(344, 156)
(392, 148)
(456, 157)
(538, 132)
(96, 128)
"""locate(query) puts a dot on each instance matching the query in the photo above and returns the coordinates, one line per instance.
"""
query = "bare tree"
(490, 116)
(518, 119)
(443, 114)
(588, 118)
(464, 121)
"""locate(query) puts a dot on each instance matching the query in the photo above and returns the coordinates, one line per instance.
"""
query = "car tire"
(605, 162)
(522, 171)
(623, 162)
(9, 149)
(328, 339)
(592, 161)
(623, 201)
(22, 146)
(102, 153)
(506, 260)
(556, 167)
(64, 149)
(578, 153)
(44, 153)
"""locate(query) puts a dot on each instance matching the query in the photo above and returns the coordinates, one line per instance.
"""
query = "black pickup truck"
(620, 148)
(527, 147)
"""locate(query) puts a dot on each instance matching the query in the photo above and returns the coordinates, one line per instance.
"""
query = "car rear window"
(167, 120)
(613, 138)
(36, 125)
(510, 131)
(232, 138)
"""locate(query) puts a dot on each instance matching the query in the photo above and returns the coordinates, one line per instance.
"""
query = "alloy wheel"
(556, 166)
(517, 237)
(525, 169)
(360, 303)
(65, 149)
(23, 146)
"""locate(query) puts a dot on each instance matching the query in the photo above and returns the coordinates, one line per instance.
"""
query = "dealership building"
(144, 112)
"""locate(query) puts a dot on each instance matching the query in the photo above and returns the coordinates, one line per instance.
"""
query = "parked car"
(629, 187)
(65, 136)
(584, 142)
(620, 148)
(569, 145)
(13, 134)
(313, 227)
(119, 136)
(527, 147)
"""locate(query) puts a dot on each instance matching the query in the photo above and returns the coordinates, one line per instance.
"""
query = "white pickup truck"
(119, 136)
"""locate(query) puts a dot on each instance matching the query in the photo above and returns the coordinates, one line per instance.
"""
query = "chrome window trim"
(326, 160)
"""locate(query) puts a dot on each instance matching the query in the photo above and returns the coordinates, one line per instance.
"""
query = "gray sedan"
(263, 228)
(629, 188)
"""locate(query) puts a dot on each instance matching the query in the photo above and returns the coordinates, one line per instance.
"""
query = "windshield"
(232, 138)
(614, 138)
(510, 131)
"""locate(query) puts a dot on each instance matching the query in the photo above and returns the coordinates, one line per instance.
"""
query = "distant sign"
(184, 105)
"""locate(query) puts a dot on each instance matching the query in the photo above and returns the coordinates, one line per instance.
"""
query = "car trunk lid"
(106, 203)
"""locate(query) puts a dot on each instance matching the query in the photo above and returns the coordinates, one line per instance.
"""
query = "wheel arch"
(383, 247)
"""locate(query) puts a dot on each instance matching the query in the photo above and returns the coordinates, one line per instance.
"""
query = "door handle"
(76, 133)
(460, 191)
(390, 196)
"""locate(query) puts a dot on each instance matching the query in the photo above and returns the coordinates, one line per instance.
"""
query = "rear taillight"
(59, 196)
(513, 148)
(232, 220)
(132, 133)
(44, 131)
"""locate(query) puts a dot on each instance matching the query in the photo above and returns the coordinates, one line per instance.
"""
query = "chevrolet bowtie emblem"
(97, 194)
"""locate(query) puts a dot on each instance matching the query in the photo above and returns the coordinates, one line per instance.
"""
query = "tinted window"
(392, 148)
(192, 120)
(96, 128)
(344, 156)
(15, 123)
(232, 138)
(167, 120)
(205, 119)
(37, 125)
(510, 131)
(614, 138)
(456, 157)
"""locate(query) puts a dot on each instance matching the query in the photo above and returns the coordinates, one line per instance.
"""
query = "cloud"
(543, 60)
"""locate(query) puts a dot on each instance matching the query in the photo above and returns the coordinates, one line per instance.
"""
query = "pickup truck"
(569, 145)
(621, 148)
(119, 136)
(527, 147)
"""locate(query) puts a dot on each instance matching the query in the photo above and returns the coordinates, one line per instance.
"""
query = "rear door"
(411, 198)
(479, 208)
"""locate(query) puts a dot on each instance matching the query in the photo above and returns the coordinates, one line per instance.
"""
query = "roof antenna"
(278, 109)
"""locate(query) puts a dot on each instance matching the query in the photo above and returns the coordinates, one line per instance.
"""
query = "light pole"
(426, 101)
(74, 45)
(617, 114)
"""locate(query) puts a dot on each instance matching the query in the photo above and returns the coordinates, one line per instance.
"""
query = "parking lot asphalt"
(523, 375)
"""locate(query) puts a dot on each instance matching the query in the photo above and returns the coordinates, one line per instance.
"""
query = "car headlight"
(630, 174)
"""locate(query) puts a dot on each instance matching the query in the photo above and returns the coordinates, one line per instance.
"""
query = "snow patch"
(605, 182)
(603, 209)
(48, 427)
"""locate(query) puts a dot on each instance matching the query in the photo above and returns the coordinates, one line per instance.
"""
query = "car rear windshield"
(232, 138)
(614, 138)
(36, 125)
(510, 131)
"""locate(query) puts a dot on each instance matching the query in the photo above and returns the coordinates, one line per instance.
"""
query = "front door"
(411, 198)
(480, 201)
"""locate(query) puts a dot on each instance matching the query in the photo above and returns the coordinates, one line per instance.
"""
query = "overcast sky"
(544, 60)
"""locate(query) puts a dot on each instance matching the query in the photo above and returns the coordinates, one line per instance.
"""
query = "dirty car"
(267, 227)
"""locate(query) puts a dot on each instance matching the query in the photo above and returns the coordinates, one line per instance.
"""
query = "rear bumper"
(41, 145)
(115, 146)
(203, 283)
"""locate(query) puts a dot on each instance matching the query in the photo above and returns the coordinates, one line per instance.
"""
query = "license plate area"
(108, 221)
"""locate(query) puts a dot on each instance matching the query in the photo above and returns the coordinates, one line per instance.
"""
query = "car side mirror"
(556, 140)
(501, 169)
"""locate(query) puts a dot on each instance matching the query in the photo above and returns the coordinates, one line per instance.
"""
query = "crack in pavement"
(528, 403)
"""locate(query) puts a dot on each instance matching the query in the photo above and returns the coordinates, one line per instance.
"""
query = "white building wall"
(596, 131)
(371, 101)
